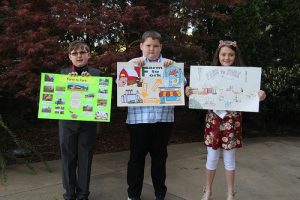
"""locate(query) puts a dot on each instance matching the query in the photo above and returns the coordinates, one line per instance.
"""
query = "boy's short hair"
(151, 34)
(78, 44)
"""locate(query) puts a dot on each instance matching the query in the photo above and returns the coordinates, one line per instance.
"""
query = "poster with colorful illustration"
(84, 98)
(152, 84)
(225, 88)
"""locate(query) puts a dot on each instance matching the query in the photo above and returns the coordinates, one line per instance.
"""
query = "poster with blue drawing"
(150, 85)
(225, 88)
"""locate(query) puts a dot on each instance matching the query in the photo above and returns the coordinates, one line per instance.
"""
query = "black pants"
(144, 138)
(77, 143)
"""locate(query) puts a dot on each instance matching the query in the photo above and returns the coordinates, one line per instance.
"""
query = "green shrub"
(282, 85)
(22, 149)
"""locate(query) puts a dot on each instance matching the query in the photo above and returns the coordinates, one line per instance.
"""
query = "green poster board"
(84, 98)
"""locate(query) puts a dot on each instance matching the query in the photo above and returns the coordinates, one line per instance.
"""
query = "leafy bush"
(23, 150)
(282, 85)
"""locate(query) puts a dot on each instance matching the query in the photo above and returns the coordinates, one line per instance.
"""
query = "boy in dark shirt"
(77, 138)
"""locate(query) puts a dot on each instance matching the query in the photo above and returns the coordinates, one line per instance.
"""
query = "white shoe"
(207, 195)
(134, 198)
(230, 196)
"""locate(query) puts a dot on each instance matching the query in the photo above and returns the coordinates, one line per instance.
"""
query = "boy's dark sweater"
(93, 71)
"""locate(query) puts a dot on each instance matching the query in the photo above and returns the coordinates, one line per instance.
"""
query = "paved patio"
(267, 169)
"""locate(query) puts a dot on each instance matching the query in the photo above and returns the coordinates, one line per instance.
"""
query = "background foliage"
(35, 34)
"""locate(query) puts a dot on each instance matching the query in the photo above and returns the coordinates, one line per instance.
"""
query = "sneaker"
(134, 198)
(207, 195)
(230, 196)
(159, 198)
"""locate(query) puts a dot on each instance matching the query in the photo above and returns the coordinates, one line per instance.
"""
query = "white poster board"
(225, 88)
(150, 85)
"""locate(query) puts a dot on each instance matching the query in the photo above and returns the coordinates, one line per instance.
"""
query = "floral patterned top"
(223, 133)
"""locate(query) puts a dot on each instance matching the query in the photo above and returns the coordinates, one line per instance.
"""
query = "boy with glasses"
(77, 138)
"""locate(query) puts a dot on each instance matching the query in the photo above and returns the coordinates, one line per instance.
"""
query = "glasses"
(79, 53)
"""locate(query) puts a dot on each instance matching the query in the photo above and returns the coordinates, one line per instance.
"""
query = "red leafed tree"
(34, 38)
(28, 45)
(35, 35)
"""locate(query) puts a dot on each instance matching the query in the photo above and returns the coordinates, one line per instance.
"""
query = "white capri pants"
(213, 156)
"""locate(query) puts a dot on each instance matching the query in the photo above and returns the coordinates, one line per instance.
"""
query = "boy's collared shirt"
(159, 59)
(150, 114)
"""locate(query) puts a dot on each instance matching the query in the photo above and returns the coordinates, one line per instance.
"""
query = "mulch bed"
(114, 137)
(111, 137)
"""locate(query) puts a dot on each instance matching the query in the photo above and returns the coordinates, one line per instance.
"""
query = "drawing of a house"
(131, 97)
(130, 75)
(169, 95)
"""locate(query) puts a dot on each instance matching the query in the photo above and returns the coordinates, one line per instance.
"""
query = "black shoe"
(138, 198)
